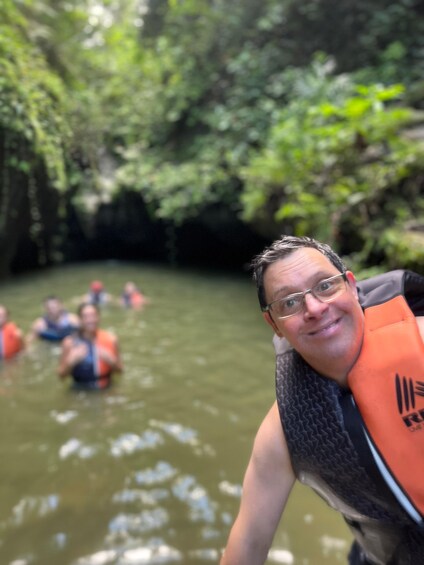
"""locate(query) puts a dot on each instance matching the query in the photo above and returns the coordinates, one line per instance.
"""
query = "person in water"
(56, 322)
(92, 355)
(97, 294)
(132, 297)
(11, 337)
(349, 416)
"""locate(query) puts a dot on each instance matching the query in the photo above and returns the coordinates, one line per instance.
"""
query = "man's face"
(89, 318)
(129, 288)
(54, 308)
(327, 335)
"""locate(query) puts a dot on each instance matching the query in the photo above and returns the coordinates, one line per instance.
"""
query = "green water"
(149, 471)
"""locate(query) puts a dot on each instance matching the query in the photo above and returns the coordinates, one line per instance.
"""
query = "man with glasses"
(331, 335)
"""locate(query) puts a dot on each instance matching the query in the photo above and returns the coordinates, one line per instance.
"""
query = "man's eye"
(290, 303)
(324, 286)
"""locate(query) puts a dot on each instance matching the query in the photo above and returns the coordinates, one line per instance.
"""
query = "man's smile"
(326, 329)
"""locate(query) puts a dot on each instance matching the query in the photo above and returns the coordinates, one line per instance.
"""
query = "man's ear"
(352, 282)
(270, 322)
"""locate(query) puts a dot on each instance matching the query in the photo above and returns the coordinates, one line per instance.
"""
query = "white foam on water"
(281, 556)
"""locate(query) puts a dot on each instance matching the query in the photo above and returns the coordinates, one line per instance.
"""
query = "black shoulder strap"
(355, 429)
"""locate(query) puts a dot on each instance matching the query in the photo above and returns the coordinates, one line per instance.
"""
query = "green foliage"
(175, 191)
(333, 166)
(32, 98)
(364, 34)
(403, 247)
(242, 105)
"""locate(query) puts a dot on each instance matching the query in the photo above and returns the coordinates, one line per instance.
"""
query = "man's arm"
(71, 354)
(37, 327)
(267, 484)
(73, 320)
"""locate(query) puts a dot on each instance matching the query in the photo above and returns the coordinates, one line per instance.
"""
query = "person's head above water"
(89, 315)
(130, 287)
(308, 297)
(96, 286)
(53, 307)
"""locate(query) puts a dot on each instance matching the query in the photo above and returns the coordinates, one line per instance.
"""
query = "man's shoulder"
(385, 286)
(270, 431)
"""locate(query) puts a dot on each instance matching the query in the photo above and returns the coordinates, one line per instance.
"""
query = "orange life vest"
(104, 340)
(93, 370)
(133, 299)
(11, 341)
(387, 383)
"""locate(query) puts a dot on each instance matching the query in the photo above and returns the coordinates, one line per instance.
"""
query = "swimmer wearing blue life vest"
(97, 294)
(55, 324)
(349, 415)
(91, 355)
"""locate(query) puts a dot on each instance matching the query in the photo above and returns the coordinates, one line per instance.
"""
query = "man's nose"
(312, 306)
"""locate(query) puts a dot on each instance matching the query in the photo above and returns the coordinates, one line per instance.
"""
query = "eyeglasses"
(325, 291)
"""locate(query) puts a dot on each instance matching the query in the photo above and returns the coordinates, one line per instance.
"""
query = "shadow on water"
(149, 471)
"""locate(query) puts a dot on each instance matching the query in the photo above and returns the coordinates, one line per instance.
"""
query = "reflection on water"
(149, 471)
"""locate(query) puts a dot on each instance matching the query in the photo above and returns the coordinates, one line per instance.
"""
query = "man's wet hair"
(83, 305)
(51, 297)
(280, 249)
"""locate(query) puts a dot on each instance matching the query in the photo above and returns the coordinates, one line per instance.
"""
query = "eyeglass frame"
(267, 308)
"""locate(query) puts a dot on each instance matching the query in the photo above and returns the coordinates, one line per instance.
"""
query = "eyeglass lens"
(325, 291)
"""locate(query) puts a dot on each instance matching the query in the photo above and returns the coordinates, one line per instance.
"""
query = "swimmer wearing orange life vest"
(92, 355)
(132, 297)
(349, 415)
(11, 337)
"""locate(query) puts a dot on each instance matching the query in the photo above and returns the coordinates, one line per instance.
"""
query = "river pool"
(149, 471)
